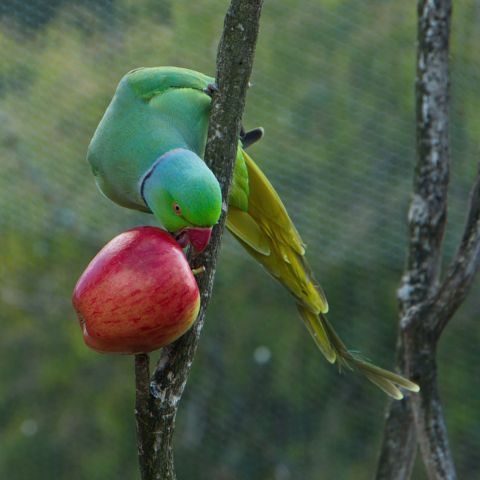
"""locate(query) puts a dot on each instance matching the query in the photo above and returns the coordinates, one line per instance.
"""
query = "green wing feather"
(149, 82)
(240, 190)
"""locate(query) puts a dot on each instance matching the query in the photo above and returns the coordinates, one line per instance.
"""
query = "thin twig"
(234, 65)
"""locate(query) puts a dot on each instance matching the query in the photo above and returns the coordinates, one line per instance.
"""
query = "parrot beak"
(196, 236)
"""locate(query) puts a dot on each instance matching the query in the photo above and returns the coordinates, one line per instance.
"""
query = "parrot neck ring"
(150, 171)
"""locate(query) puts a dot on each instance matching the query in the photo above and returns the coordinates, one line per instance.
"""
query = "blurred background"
(333, 85)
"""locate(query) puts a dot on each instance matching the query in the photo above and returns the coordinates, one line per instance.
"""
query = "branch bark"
(426, 306)
(143, 412)
(157, 406)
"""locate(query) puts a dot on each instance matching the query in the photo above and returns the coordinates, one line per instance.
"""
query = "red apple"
(138, 294)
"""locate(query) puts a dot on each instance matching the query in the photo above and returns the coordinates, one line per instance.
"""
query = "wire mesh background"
(333, 85)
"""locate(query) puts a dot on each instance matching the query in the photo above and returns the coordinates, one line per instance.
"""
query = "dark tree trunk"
(426, 304)
(157, 400)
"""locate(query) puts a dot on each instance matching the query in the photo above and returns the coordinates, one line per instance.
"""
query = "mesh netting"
(333, 86)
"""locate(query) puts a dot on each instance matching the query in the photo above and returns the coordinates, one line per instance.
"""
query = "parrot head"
(184, 195)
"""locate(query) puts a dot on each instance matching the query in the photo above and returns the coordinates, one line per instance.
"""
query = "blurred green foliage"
(333, 85)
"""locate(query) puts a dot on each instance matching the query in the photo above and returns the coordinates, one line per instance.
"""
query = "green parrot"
(146, 154)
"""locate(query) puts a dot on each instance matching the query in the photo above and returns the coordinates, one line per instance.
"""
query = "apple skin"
(138, 293)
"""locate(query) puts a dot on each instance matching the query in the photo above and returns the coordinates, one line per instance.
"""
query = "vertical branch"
(416, 349)
(426, 227)
(234, 65)
(428, 209)
(143, 413)
(399, 444)
(434, 315)
(426, 306)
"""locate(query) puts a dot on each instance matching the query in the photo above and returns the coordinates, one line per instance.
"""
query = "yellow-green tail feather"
(267, 233)
(335, 350)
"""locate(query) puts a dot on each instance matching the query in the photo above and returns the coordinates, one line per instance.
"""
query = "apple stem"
(198, 271)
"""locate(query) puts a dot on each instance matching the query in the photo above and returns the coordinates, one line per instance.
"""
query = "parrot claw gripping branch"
(146, 154)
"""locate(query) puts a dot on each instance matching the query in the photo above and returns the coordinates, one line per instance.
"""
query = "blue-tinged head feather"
(182, 191)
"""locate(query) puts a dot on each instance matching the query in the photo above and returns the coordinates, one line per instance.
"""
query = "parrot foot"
(198, 271)
(211, 89)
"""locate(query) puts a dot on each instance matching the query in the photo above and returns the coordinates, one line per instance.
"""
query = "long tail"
(268, 234)
(335, 350)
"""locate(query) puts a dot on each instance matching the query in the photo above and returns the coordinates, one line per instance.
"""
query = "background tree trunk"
(427, 304)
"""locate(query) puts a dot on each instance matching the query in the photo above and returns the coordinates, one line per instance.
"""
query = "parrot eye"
(176, 208)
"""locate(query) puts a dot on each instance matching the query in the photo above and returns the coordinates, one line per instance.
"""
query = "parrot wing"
(148, 82)
(266, 231)
(266, 223)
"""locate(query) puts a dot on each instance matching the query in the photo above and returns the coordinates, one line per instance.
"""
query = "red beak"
(197, 237)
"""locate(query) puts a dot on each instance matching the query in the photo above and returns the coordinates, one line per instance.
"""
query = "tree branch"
(462, 269)
(396, 458)
(428, 322)
(234, 65)
(416, 349)
(143, 412)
